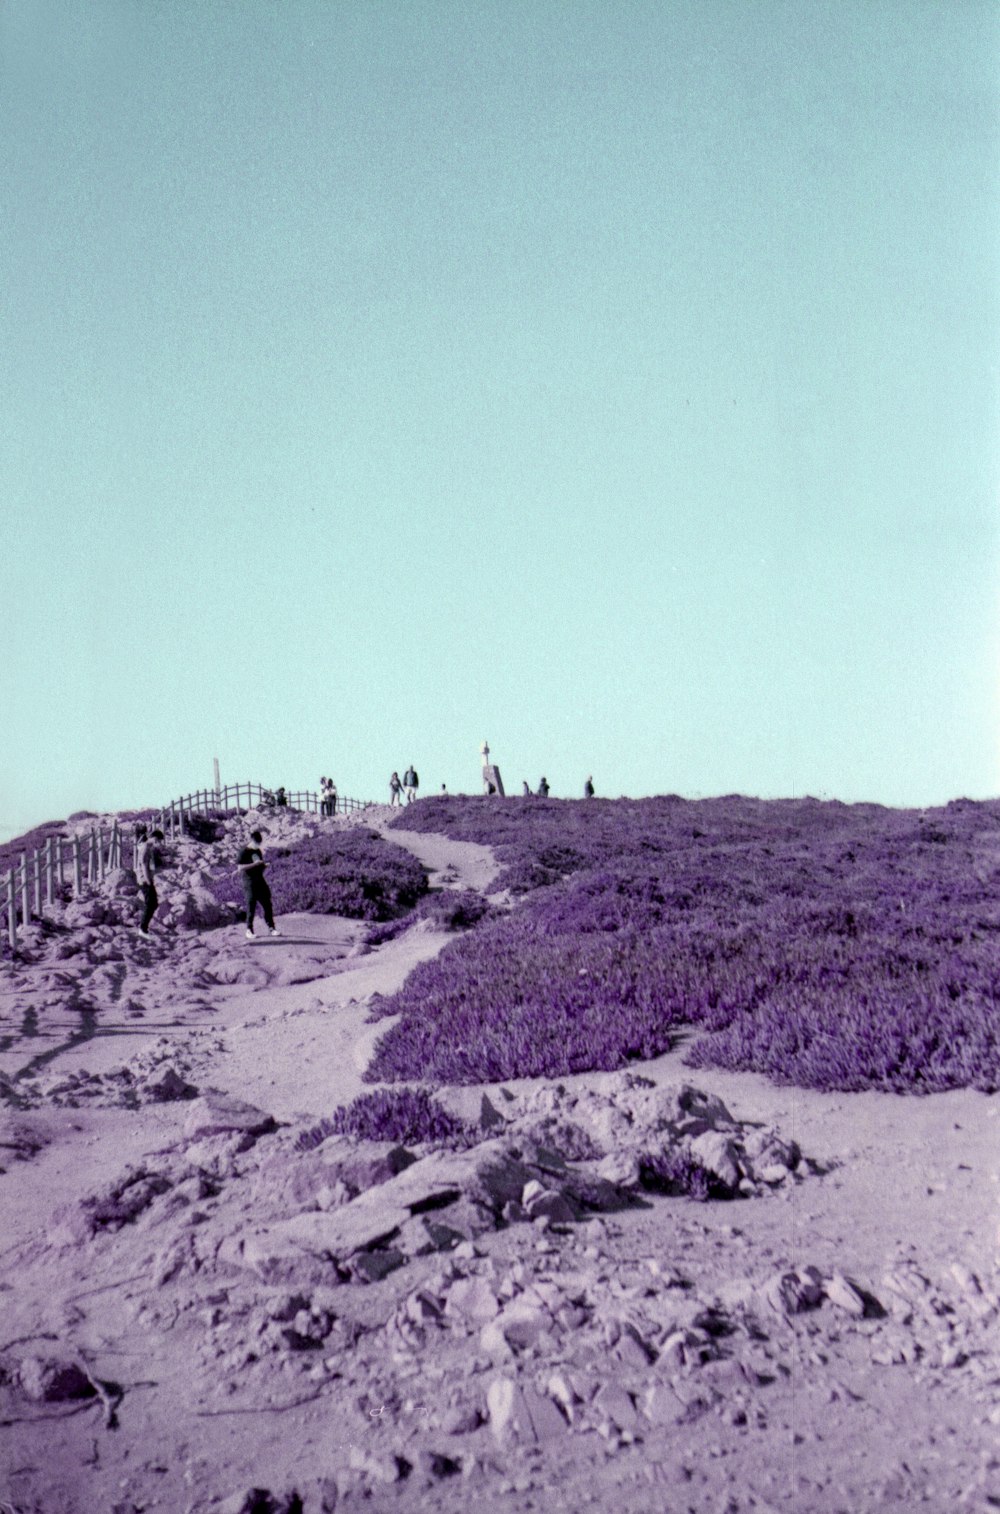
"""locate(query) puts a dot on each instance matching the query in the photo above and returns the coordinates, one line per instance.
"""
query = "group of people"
(407, 785)
(327, 796)
(542, 792)
(149, 862)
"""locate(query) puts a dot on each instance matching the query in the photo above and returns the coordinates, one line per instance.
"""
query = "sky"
(614, 382)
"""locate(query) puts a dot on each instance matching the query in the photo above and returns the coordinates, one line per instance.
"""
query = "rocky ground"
(205, 1308)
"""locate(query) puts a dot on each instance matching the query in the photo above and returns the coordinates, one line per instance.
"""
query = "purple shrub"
(676, 1171)
(445, 909)
(349, 872)
(407, 1116)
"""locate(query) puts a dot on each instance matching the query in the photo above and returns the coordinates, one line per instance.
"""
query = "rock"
(517, 1327)
(462, 1419)
(165, 1086)
(54, 1380)
(614, 1403)
(216, 1155)
(340, 1166)
(354, 1227)
(538, 1200)
(794, 1292)
(262, 1501)
(499, 1405)
(473, 1299)
(845, 1295)
(387, 1468)
(276, 1259)
(662, 1407)
(373, 1266)
(717, 1152)
(621, 1168)
(530, 1415)
(127, 1198)
(217, 1113)
(423, 1234)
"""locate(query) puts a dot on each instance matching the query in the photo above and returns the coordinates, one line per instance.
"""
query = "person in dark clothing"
(147, 864)
(543, 789)
(255, 888)
(588, 789)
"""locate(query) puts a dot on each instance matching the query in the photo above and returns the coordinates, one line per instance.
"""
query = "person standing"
(588, 789)
(255, 886)
(395, 791)
(331, 796)
(543, 789)
(411, 783)
(147, 864)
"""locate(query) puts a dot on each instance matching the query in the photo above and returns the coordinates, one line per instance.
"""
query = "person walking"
(525, 790)
(147, 864)
(588, 788)
(331, 796)
(411, 783)
(255, 886)
(395, 791)
(323, 797)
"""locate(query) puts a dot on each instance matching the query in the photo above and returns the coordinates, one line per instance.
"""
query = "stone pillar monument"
(492, 782)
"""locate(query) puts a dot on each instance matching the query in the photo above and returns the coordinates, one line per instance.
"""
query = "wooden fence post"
(77, 868)
(100, 852)
(25, 901)
(59, 860)
(50, 869)
(11, 911)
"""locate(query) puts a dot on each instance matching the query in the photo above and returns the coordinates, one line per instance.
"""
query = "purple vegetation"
(827, 945)
(408, 1116)
(351, 872)
(676, 1171)
(445, 909)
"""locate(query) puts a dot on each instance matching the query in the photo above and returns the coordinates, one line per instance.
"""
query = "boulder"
(54, 1380)
(277, 1260)
(165, 1086)
(217, 1113)
(717, 1152)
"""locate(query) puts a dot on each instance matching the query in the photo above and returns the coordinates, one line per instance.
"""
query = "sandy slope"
(399, 1401)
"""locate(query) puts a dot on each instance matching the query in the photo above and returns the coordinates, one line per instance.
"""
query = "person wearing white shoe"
(255, 888)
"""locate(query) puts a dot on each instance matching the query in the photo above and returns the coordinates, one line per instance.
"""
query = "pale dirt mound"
(204, 1312)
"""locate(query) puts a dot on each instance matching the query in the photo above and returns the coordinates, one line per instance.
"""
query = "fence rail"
(77, 862)
(245, 796)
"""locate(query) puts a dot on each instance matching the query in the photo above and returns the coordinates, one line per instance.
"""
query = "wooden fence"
(243, 796)
(78, 862)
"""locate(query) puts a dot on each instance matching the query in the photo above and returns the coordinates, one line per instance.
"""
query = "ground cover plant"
(350, 872)
(827, 945)
(408, 1116)
(444, 909)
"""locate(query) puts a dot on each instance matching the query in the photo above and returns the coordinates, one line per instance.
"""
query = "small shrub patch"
(407, 1116)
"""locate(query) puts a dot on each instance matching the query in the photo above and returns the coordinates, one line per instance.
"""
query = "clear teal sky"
(616, 381)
